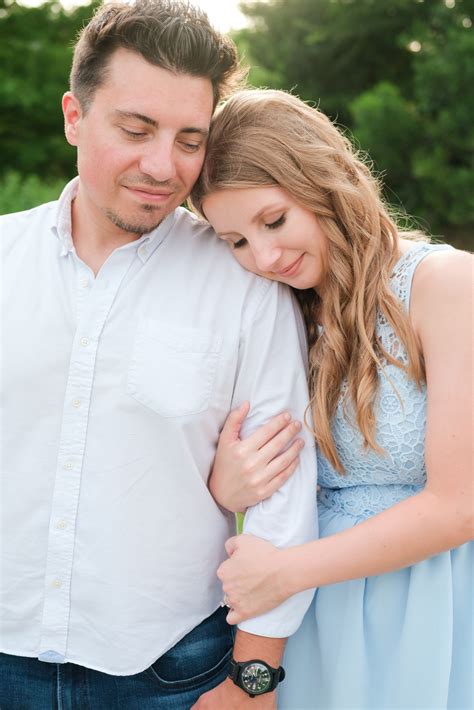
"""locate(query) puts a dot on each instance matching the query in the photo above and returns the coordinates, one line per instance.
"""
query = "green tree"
(425, 142)
(35, 58)
(388, 126)
(330, 50)
(397, 73)
(444, 163)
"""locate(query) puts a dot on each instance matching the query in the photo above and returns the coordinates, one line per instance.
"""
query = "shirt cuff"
(282, 621)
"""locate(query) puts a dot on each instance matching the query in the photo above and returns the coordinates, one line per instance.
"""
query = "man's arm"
(273, 378)
(227, 695)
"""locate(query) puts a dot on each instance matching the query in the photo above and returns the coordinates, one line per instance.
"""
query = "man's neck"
(94, 236)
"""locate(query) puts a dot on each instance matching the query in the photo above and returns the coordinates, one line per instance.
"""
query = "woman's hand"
(252, 578)
(250, 470)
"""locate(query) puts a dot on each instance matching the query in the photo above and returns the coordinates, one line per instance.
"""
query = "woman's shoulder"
(442, 288)
(425, 266)
(443, 270)
(411, 253)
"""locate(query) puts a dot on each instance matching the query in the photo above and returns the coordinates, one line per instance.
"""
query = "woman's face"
(270, 234)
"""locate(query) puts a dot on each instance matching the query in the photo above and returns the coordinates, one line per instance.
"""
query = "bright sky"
(224, 14)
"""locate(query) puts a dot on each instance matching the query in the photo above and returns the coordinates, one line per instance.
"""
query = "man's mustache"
(148, 181)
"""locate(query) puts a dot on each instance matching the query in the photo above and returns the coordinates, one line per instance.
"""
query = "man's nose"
(158, 160)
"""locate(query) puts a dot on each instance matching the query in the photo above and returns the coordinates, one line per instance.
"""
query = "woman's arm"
(437, 519)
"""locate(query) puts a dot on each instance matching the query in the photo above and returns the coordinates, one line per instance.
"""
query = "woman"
(388, 317)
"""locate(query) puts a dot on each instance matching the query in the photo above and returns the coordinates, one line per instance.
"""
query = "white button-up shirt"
(114, 390)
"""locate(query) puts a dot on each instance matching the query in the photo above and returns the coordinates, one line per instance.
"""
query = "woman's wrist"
(294, 569)
(288, 572)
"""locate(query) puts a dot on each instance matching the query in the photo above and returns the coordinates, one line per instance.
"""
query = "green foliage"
(388, 126)
(18, 192)
(35, 58)
(398, 73)
(331, 50)
(444, 162)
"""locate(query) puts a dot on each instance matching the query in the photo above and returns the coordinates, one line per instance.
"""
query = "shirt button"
(84, 342)
(56, 583)
(76, 403)
(84, 283)
(61, 524)
(68, 466)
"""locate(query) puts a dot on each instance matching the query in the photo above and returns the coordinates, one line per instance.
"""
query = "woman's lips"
(292, 268)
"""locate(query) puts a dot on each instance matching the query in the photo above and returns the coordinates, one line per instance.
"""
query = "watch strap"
(234, 670)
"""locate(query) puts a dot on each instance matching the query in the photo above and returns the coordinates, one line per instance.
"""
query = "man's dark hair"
(171, 34)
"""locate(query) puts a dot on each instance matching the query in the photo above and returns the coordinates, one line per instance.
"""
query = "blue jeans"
(174, 682)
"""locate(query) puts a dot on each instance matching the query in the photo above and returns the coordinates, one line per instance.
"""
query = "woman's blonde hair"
(272, 138)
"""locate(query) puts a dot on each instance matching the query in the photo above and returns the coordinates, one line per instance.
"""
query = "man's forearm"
(248, 647)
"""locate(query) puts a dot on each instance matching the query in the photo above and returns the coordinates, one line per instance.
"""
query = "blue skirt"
(398, 640)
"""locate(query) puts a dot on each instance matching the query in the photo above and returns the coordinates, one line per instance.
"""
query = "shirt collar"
(62, 226)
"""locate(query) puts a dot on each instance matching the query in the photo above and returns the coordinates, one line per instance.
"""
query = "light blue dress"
(398, 640)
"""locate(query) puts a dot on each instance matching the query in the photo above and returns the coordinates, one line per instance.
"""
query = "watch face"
(256, 678)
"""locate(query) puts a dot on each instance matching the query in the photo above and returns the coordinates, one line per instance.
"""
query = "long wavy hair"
(272, 138)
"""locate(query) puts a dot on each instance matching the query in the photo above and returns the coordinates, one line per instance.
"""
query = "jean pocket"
(172, 369)
(201, 655)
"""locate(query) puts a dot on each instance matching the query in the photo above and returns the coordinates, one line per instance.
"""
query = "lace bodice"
(373, 481)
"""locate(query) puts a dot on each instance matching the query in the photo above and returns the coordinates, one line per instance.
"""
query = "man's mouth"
(150, 193)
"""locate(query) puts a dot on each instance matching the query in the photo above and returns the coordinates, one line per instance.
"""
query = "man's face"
(140, 145)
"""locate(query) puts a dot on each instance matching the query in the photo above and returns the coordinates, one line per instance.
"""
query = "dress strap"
(404, 270)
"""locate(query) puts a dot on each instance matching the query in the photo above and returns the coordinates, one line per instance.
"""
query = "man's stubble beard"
(136, 228)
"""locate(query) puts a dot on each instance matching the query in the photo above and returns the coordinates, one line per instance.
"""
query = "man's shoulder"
(22, 233)
(18, 222)
(187, 224)
(197, 237)
(214, 259)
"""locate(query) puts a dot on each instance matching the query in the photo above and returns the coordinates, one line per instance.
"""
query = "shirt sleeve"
(272, 376)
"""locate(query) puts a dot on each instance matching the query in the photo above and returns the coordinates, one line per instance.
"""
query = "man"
(128, 334)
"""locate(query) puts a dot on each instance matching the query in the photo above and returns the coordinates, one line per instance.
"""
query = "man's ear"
(72, 117)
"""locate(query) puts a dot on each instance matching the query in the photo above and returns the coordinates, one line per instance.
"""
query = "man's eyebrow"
(151, 122)
(137, 116)
(202, 131)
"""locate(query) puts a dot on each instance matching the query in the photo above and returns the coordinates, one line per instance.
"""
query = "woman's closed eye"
(270, 225)
(277, 223)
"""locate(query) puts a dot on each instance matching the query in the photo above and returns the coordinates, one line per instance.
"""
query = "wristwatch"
(255, 677)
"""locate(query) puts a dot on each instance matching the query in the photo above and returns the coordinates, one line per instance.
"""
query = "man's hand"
(229, 697)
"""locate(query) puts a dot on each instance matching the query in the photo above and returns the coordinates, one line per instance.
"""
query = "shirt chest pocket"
(172, 369)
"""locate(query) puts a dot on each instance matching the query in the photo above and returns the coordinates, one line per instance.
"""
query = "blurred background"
(398, 75)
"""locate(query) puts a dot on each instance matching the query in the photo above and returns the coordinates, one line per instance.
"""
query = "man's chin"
(137, 224)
